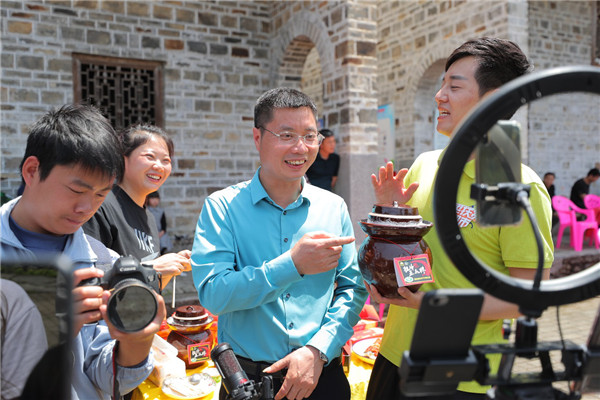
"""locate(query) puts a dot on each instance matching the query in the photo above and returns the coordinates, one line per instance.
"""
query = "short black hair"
(75, 134)
(500, 61)
(593, 172)
(281, 97)
(136, 135)
(326, 133)
(549, 174)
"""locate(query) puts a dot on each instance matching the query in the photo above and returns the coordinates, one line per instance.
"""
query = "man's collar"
(258, 192)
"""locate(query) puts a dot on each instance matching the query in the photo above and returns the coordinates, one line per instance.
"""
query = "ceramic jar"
(395, 235)
(191, 334)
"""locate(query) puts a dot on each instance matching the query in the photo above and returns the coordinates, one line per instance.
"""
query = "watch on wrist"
(323, 357)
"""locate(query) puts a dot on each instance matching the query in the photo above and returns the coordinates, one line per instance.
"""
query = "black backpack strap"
(104, 258)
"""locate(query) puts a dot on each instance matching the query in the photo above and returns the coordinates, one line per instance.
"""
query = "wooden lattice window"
(129, 91)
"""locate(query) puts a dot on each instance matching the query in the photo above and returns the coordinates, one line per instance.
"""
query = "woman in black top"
(123, 223)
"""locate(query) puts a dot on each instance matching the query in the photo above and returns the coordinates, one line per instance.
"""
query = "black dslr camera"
(132, 304)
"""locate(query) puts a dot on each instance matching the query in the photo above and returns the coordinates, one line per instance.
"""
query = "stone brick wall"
(216, 65)
(414, 39)
(343, 33)
(312, 81)
(220, 56)
(564, 129)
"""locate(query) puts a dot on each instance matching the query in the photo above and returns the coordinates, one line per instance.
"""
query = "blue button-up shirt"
(243, 272)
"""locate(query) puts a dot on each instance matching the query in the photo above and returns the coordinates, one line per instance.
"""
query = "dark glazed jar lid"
(190, 311)
(396, 213)
(190, 315)
(396, 209)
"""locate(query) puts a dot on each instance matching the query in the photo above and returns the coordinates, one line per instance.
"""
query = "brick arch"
(293, 42)
(429, 66)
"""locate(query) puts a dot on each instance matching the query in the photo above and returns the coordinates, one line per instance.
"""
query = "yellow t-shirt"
(497, 247)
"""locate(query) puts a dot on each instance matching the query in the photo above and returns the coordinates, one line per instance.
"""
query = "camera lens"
(132, 305)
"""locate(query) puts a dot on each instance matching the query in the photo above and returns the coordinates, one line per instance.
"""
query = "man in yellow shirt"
(475, 69)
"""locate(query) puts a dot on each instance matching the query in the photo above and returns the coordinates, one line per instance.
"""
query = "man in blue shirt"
(275, 259)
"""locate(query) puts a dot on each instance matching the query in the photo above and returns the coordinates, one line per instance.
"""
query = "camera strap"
(116, 394)
(104, 261)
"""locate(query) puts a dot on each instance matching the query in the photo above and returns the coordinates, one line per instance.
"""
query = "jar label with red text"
(198, 353)
(413, 270)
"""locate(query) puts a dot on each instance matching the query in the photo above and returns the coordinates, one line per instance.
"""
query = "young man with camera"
(71, 160)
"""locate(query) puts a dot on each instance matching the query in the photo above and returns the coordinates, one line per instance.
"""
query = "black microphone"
(235, 380)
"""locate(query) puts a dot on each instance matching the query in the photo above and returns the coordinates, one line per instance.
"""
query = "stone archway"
(430, 67)
(312, 81)
(292, 44)
(424, 107)
(348, 62)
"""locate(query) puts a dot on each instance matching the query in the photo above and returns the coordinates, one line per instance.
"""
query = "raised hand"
(389, 187)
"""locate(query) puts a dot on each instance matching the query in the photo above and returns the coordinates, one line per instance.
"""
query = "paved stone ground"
(575, 321)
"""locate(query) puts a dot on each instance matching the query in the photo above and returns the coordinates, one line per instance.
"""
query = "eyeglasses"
(291, 138)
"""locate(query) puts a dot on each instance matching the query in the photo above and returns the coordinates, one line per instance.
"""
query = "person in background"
(275, 259)
(153, 205)
(123, 223)
(549, 183)
(71, 160)
(582, 187)
(324, 171)
(474, 70)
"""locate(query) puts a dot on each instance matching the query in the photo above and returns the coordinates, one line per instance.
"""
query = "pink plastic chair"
(592, 202)
(567, 214)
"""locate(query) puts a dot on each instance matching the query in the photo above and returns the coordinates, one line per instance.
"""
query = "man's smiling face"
(458, 95)
(284, 162)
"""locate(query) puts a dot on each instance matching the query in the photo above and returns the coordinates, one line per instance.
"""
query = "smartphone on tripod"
(498, 160)
(446, 323)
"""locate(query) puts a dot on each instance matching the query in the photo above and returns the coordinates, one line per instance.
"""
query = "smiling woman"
(123, 223)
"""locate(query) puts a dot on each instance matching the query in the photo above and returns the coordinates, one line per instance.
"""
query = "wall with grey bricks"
(344, 34)
(414, 38)
(220, 56)
(564, 129)
(216, 65)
